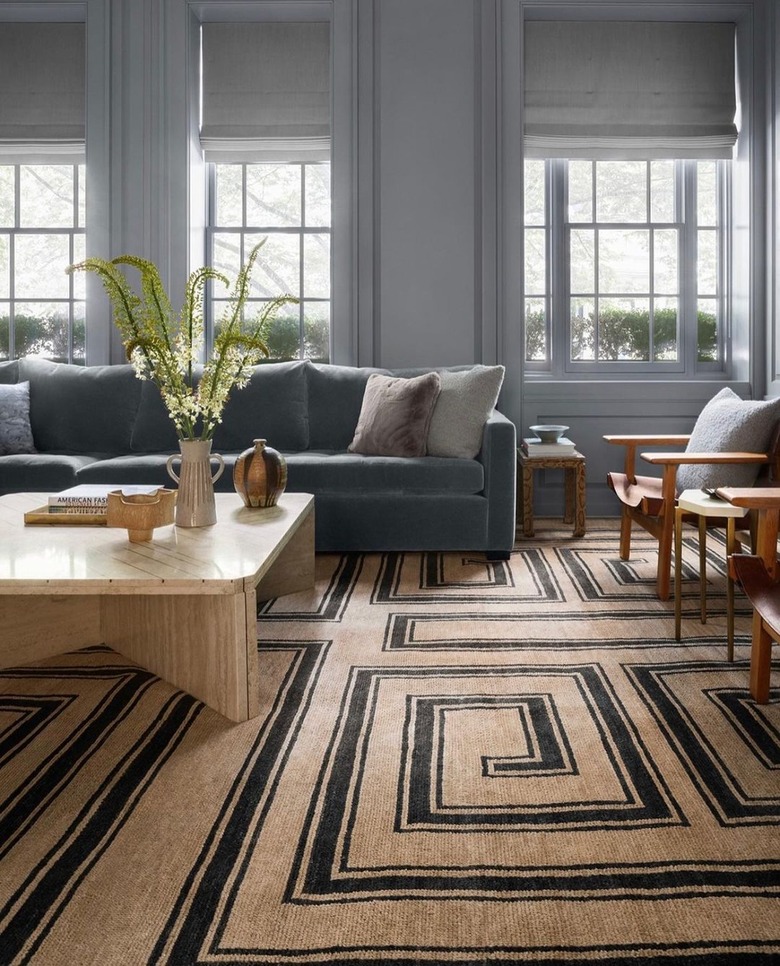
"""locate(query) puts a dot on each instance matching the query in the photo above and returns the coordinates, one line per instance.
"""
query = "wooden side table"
(702, 505)
(573, 467)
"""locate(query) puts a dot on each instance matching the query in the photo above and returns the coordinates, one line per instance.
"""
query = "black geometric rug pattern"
(457, 761)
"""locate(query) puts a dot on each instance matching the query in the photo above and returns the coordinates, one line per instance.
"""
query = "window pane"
(621, 191)
(228, 190)
(79, 278)
(82, 214)
(316, 266)
(583, 329)
(284, 333)
(582, 256)
(79, 333)
(707, 332)
(226, 259)
(4, 326)
(5, 277)
(536, 349)
(277, 269)
(316, 326)
(534, 193)
(317, 195)
(624, 330)
(580, 191)
(39, 266)
(535, 277)
(665, 261)
(707, 262)
(41, 329)
(624, 261)
(662, 190)
(706, 193)
(7, 203)
(273, 195)
(665, 330)
(46, 196)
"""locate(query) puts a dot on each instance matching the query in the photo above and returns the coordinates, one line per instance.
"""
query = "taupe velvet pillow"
(395, 415)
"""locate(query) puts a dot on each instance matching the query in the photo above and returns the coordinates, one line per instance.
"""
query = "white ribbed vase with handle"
(195, 505)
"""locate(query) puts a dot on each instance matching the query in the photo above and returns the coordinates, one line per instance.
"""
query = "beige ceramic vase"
(195, 505)
(260, 475)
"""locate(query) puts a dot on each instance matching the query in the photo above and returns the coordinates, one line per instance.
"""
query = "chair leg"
(665, 542)
(625, 534)
(760, 661)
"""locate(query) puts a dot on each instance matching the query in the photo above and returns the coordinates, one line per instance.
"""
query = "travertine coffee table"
(183, 605)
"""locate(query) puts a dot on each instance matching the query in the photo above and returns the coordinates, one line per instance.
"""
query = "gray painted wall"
(427, 143)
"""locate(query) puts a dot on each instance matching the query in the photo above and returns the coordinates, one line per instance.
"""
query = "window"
(42, 224)
(289, 205)
(624, 266)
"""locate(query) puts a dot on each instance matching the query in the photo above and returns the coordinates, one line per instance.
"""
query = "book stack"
(90, 498)
(535, 447)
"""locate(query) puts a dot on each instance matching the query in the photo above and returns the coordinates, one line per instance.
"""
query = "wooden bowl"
(140, 513)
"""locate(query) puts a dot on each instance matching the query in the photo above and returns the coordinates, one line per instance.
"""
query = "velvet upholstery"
(81, 409)
(362, 502)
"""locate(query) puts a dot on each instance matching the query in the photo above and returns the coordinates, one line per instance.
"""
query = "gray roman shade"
(42, 93)
(266, 92)
(629, 90)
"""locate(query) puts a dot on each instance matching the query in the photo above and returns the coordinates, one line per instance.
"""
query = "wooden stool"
(574, 482)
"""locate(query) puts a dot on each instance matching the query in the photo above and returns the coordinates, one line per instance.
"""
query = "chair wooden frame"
(759, 575)
(650, 501)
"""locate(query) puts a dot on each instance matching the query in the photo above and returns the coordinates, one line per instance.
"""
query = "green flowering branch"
(164, 347)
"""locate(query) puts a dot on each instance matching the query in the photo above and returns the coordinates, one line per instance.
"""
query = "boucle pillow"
(729, 424)
(15, 430)
(464, 405)
(395, 415)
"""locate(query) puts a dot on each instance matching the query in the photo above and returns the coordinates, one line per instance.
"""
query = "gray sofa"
(101, 424)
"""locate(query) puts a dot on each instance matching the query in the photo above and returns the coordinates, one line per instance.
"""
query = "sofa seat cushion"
(141, 468)
(78, 409)
(41, 472)
(318, 471)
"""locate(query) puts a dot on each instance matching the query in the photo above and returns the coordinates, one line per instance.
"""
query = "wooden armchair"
(650, 501)
(759, 576)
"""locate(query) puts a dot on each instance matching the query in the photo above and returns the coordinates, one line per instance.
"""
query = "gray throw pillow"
(395, 415)
(464, 405)
(15, 430)
(729, 424)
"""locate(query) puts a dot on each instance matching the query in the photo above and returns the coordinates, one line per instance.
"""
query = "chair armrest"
(499, 458)
(665, 459)
(754, 498)
(642, 440)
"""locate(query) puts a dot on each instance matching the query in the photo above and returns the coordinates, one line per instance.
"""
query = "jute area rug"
(458, 762)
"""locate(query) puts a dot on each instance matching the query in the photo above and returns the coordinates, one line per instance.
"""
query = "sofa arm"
(499, 458)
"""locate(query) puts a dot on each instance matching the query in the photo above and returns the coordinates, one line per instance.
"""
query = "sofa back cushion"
(335, 399)
(78, 409)
(272, 406)
(154, 431)
(9, 372)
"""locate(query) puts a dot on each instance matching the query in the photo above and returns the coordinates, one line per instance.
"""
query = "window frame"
(302, 230)
(77, 228)
(557, 297)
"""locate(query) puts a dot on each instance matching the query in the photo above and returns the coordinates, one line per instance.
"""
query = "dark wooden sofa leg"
(497, 554)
